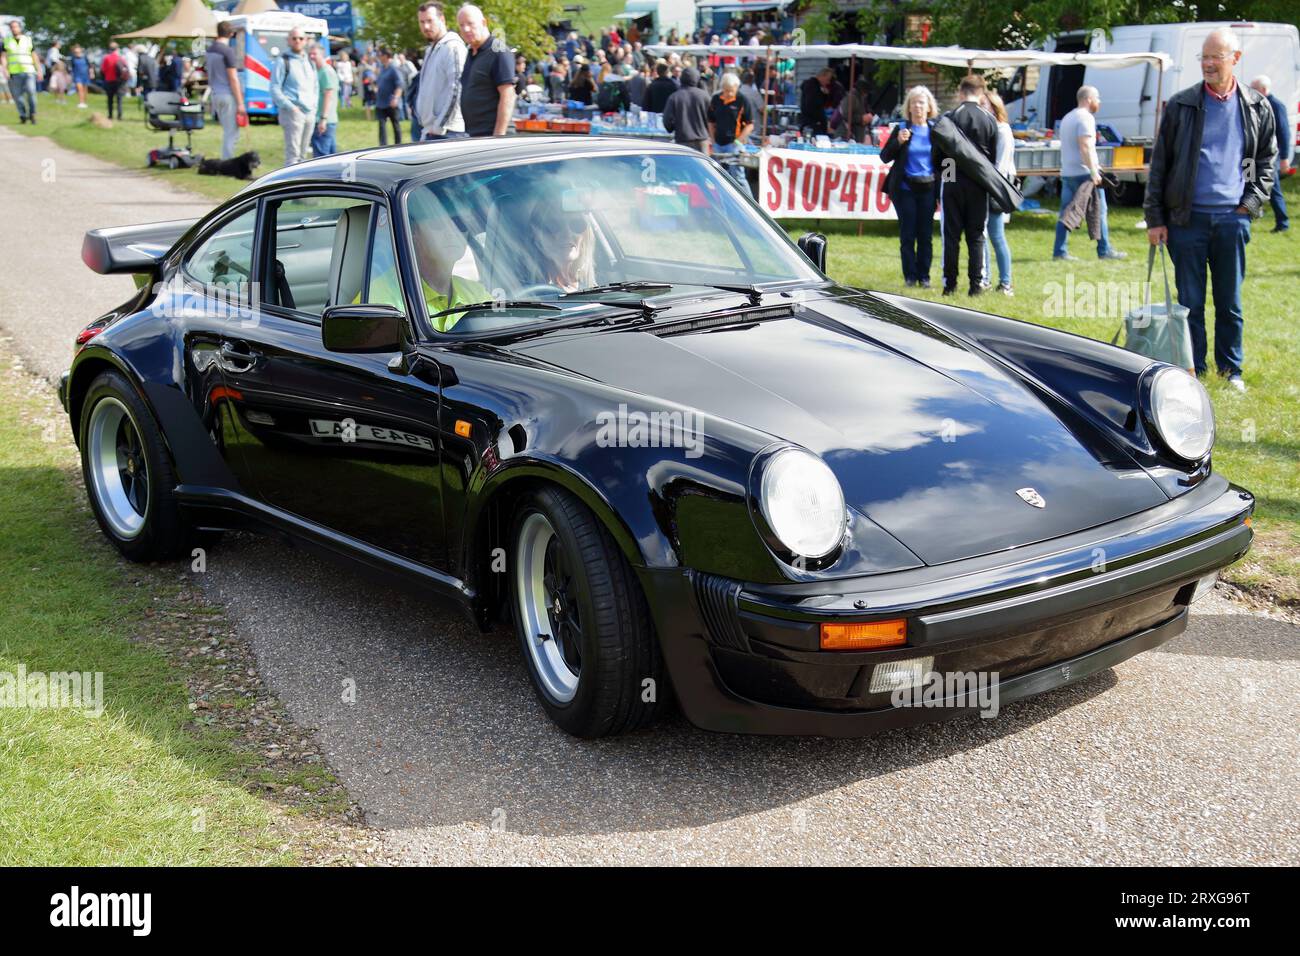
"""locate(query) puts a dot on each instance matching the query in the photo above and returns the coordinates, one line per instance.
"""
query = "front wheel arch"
(489, 529)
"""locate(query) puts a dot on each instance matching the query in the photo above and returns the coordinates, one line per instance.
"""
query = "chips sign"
(803, 184)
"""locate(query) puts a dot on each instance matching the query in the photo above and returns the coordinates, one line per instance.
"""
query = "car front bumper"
(746, 658)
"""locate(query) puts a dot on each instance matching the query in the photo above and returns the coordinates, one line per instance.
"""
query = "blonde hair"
(931, 107)
(998, 108)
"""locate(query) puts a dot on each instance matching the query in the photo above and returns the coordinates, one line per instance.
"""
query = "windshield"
(548, 231)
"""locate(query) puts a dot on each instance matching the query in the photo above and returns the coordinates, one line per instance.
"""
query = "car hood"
(930, 439)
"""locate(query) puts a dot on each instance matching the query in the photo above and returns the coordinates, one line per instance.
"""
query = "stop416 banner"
(802, 184)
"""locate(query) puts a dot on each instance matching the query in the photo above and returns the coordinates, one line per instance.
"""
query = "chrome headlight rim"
(762, 512)
(1158, 380)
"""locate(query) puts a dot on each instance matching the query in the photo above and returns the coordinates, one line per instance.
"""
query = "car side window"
(317, 252)
(225, 259)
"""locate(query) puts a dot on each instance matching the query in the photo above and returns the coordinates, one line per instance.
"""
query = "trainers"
(924, 283)
(1235, 382)
(1114, 254)
(81, 106)
(1005, 289)
(909, 282)
(975, 291)
(1279, 229)
(1066, 258)
(950, 290)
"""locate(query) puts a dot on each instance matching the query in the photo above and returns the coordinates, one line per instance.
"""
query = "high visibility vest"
(19, 51)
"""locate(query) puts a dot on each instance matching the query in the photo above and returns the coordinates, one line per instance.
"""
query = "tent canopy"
(940, 55)
(189, 18)
(254, 6)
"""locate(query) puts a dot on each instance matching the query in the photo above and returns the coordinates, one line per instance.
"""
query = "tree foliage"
(522, 23)
(1011, 24)
(91, 23)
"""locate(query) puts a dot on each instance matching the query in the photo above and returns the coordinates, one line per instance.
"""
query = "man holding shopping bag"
(1212, 169)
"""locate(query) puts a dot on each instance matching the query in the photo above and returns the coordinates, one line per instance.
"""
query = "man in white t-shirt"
(1079, 164)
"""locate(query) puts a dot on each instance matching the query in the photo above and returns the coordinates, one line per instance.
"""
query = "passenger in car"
(563, 242)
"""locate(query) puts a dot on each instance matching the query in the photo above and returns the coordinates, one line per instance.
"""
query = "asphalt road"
(1184, 755)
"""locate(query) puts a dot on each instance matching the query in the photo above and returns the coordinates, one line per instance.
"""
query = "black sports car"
(595, 390)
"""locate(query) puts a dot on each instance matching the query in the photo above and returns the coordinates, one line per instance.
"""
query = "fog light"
(1205, 586)
(900, 675)
(864, 637)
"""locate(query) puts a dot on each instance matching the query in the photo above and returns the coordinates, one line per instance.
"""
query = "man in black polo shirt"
(487, 85)
(730, 123)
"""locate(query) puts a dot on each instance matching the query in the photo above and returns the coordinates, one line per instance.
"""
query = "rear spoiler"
(132, 249)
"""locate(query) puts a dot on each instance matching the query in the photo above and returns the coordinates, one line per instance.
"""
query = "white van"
(1128, 95)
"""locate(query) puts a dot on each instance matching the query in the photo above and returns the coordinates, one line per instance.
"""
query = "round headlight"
(1182, 414)
(803, 503)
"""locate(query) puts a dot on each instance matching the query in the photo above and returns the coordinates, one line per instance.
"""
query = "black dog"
(241, 167)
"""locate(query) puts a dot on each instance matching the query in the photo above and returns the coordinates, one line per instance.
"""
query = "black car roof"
(390, 166)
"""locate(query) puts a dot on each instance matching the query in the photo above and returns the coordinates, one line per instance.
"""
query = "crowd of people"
(1218, 155)
(120, 71)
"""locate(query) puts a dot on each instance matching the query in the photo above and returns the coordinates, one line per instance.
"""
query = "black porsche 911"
(596, 391)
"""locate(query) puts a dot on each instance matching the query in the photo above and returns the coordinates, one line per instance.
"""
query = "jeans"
(223, 107)
(323, 144)
(965, 213)
(298, 127)
(114, 90)
(388, 114)
(1219, 241)
(736, 171)
(997, 236)
(1069, 186)
(915, 209)
(22, 86)
(1278, 202)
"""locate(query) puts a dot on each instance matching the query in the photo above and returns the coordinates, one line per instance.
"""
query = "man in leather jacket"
(1212, 169)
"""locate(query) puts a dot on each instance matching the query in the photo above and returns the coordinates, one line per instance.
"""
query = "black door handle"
(238, 357)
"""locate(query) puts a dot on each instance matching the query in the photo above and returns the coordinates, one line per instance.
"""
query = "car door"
(211, 293)
(340, 440)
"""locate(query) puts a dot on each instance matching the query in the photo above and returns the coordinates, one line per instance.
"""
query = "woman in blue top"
(80, 74)
(912, 183)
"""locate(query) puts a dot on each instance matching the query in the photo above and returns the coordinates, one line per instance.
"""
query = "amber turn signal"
(864, 637)
(463, 428)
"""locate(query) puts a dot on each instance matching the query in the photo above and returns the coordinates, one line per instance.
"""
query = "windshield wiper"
(495, 304)
(632, 285)
(754, 292)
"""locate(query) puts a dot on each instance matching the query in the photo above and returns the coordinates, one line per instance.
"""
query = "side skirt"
(219, 509)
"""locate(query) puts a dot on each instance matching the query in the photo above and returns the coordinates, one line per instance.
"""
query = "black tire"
(619, 651)
(164, 534)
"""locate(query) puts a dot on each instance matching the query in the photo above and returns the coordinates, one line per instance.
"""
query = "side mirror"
(813, 245)
(363, 328)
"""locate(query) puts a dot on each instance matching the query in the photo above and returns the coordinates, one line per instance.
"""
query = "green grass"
(133, 786)
(1257, 446)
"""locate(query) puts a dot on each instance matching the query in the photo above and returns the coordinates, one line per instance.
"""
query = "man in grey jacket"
(437, 104)
(1211, 173)
(295, 92)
